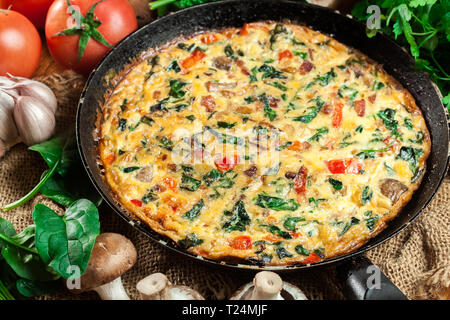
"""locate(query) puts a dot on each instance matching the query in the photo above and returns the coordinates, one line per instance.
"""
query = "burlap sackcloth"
(416, 260)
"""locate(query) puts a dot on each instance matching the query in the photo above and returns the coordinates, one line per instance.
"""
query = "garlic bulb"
(34, 120)
(35, 89)
(8, 130)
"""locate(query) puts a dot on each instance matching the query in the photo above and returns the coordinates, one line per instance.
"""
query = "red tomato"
(136, 202)
(300, 180)
(286, 54)
(117, 21)
(20, 45)
(226, 164)
(337, 115)
(209, 38)
(241, 243)
(313, 257)
(190, 61)
(34, 10)
(344, 166)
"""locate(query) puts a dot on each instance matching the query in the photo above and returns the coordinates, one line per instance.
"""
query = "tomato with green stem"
(79, 33)
(20, 45)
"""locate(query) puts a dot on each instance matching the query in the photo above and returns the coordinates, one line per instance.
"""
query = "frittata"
(271, 143)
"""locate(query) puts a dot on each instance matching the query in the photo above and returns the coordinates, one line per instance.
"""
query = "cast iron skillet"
(235, 13)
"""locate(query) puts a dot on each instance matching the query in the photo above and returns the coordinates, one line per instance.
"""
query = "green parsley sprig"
(423, 26)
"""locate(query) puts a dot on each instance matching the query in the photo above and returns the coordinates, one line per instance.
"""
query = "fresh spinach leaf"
(66, 241)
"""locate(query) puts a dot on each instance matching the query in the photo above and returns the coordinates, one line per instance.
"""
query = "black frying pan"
(235, 13)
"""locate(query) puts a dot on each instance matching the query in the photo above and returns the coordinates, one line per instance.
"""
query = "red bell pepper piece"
(190, 61)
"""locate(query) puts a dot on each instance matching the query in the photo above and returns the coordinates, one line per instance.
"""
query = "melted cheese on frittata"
(272, 143)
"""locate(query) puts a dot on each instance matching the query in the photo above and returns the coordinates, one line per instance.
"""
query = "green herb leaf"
(66, 241)
(275, 203)
(189, 183)
(239, 218)
(337, 185)
(190, 241)
(195, 211)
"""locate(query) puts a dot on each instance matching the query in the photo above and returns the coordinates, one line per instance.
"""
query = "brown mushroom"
(268, 285)
(157, 287)
(112, 256)
(145, 174)
(392, 189)
(222, 63)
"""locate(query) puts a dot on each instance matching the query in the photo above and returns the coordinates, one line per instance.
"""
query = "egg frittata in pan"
(271, 143)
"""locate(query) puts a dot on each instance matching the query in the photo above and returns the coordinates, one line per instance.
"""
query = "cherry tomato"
(20, 45)
(136, 202)
(117, 21)
(226, 164)
(34, 10)
(241, 243)
(286, 54)
(300, 180)
(312, 258)
(344, 166)
(190, 61)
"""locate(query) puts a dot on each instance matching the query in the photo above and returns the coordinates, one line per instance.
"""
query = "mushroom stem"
(153, 287)
(157, 287)
(113, 290)
(267, 286)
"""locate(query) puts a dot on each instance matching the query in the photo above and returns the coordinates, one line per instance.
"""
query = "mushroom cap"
(112, 256)
(152, 284)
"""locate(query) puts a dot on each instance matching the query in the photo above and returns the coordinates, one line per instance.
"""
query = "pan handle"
(364, 281)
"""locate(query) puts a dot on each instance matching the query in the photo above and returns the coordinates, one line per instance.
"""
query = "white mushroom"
(268, 285)
(157, 287)
(112, 256)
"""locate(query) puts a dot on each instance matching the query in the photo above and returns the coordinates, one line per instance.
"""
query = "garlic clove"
(8, 130)
(35, 89)
(35, 121)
